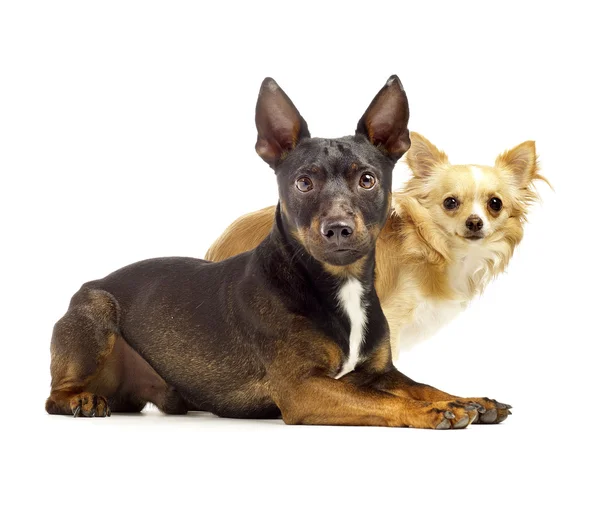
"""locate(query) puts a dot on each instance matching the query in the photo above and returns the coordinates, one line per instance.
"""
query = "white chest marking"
(350, 298)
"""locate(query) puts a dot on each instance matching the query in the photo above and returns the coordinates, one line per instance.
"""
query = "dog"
(451, 230)
(291, 329)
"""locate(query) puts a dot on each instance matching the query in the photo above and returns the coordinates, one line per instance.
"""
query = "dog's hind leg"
(94, 371)
(82, 340)
(138, 382)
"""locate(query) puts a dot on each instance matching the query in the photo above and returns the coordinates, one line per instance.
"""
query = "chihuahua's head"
(474, 203)
(334, 194)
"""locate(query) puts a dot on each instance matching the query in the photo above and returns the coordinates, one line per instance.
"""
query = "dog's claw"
(444, 425)
(89, 405)
(509, 413)
(475, 406)
(449, 415)
(490, 416)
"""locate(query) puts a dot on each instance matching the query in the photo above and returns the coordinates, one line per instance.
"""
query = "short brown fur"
(267, 333)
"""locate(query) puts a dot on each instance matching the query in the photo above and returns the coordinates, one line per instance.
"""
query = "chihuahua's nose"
(474, 223)
(336, 230)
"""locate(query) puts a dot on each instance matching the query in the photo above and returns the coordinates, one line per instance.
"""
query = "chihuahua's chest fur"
(428, 316)
(423, 311)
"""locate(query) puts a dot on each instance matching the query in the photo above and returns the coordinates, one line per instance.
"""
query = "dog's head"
(473, 203)
(334, 194)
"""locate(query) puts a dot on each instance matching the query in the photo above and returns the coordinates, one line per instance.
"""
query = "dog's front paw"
(489, 411)
(457, 414)
(89, 405)
(443, 415)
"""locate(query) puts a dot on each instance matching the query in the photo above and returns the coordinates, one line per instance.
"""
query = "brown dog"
(292, 328)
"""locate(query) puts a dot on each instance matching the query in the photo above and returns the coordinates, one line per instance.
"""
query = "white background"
(127, 132)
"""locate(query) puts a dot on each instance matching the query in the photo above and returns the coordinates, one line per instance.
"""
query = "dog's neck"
(340, 302)
(471, 269)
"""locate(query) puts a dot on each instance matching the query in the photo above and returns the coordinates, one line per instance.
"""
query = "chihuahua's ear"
(279, 124)
(521, 162)
(385, 123)
(423, 156)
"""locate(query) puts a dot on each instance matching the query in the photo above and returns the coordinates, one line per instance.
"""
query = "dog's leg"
(140, 383)
(321, 400)
(81, 342)
(395, 382)
(93, 369)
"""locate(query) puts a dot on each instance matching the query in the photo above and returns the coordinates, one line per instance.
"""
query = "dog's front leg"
(322, 400)
(395, 382)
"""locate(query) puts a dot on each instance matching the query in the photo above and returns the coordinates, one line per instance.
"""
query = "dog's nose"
(474, 223)
(337, 230)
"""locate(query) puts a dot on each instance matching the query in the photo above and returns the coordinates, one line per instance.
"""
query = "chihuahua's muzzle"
(473, 225)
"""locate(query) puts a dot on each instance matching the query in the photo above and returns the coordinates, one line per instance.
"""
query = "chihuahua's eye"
(367, 181)
(495, 204)
(304, 184)
(450, 203)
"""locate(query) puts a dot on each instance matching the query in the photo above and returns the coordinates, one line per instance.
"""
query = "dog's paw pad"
(456, 415)
(489, 411)
(444, 425)
(489, 416)
(463, 422)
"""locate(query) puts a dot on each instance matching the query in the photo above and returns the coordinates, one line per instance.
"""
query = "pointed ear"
(386, 119)
(521, 162)
(279, 124)
(423, 156)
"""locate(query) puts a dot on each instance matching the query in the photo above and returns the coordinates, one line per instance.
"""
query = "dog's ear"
(385, 123)
(279, 124)
(521, 162)
(423, 156)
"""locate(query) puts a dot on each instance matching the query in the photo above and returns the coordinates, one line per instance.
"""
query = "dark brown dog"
(269, 332)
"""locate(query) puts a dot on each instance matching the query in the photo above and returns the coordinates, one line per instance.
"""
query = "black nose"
(337, 230)
(474, 223)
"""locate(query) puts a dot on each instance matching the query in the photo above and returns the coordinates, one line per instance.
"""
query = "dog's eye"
(450, 203)
(304, 184)
(495, 204)
(367, 181)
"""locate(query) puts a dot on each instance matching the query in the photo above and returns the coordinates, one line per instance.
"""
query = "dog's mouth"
(342, 253)
(338, 256)
(341, 256)
(473, 236)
